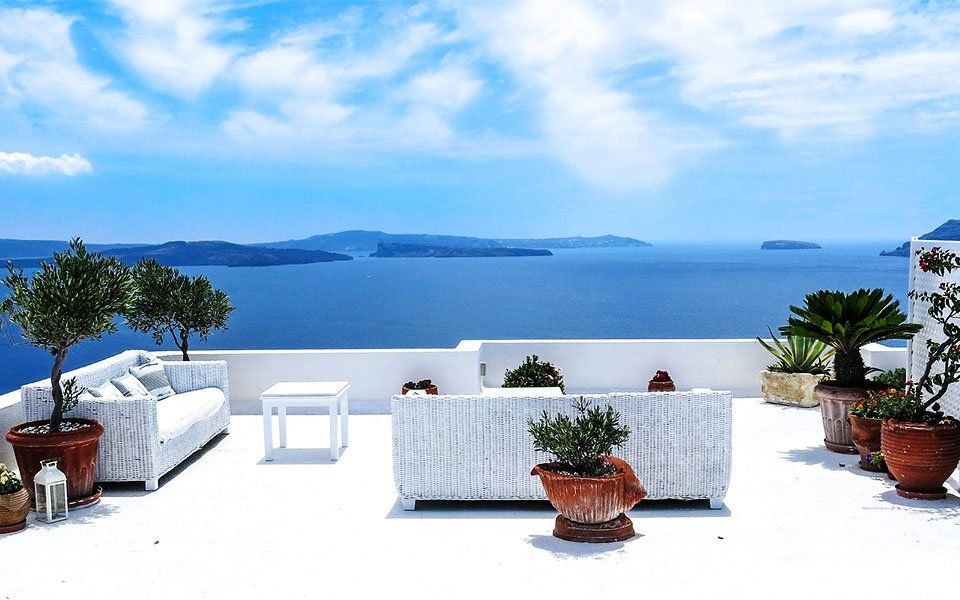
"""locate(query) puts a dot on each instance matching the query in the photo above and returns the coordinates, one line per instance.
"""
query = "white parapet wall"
(588, 366)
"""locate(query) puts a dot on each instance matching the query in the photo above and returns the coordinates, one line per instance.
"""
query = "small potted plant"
(424, 386)
(866, 420)
(589, 488)
(534, 373)
(921, 444)
(77, 297)
(801, 365)
(846, 323)
(14, 501)
(661, 382)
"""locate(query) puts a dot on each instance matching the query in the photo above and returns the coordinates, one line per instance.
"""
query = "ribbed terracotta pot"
(75, 451)
(920, 456)
(592, 500)
(661, 386)
(14, 509)
(835, 403)
(865, 433)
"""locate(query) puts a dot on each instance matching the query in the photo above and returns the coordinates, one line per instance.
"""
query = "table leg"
(344, 419)
(334, 427)
(282, 416)
(267, 432)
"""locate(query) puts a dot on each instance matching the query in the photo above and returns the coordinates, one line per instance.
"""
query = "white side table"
(330, 394)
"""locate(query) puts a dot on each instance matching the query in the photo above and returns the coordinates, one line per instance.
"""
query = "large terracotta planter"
(835, 403)
(920, 456)
(865, 433)
(592, 500)
(76, 452)
(789, 389)
(14, 509)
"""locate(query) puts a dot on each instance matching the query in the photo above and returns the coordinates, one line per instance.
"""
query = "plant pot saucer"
(939, 495)
(13, 528)
(840, 448)
(80, 503)
(615, 530)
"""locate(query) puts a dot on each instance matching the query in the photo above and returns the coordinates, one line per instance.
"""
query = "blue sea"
(668, 291)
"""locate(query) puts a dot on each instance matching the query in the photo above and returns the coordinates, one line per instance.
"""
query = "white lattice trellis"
(929, 282)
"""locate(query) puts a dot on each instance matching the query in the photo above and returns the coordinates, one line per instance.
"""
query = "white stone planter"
(791, 389)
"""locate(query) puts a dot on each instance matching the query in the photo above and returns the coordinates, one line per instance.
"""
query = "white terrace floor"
(800, 522)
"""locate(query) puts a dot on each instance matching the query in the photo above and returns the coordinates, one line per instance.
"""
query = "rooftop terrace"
(798, 521)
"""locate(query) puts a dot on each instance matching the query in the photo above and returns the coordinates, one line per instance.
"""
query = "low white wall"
(11, 413)
(374, 375)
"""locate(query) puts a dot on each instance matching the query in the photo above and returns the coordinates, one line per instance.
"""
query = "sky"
(683, 120)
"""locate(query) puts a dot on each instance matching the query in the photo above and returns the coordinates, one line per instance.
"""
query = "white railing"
(921, 281)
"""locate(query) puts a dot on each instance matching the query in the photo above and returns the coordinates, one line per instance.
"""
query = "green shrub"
(798, 355)
(534, 373)
(579, 444)
(896, 379)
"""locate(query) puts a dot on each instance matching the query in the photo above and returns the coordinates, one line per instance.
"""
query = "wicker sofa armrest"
(195, 375)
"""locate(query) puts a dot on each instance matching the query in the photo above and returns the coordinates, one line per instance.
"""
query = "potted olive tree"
(589, 488)
(533, 373)
(166, 302)
(846, 322)
(77, 297)
(920, 444)
(801, 365)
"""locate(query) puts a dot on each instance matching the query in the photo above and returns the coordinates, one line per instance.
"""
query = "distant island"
(363, 241)
(319, 248)
(212, 253)
(788, 245)
(949, 231)
(425, 251)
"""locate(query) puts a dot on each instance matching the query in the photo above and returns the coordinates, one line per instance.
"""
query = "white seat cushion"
(176, 413)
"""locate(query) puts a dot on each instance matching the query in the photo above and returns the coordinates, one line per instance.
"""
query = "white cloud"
(21, 163)
(331, 82)
(40, 72)
(174, 43)
(568, 54)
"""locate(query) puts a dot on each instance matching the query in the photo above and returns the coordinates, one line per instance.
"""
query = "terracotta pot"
(789, 389)
(433, 390)
(592, 500)
(661, 386)
(865, 433)
(76, 452)
(835, 403)
(14, 509)
(920, 456)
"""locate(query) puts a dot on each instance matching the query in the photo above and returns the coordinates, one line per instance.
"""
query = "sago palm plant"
(798, 355)
(848, 322)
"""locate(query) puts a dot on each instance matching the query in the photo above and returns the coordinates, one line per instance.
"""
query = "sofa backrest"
(103, 371)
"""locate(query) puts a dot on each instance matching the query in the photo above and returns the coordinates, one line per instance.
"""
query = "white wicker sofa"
(145, 438)
(478, 447)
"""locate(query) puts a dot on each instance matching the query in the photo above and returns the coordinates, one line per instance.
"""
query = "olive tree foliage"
(167, 302)
(77, 297)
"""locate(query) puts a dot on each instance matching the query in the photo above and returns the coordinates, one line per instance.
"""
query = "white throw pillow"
(106, 390)
(154, 379)
(130, 385)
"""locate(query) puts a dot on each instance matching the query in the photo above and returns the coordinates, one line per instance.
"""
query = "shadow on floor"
(539, 509)
(563, 549)
(819, 456)
(301, 456)
(947, 509)
(135, 488)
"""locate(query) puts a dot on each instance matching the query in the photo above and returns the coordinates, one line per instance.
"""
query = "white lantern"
(50, 487)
